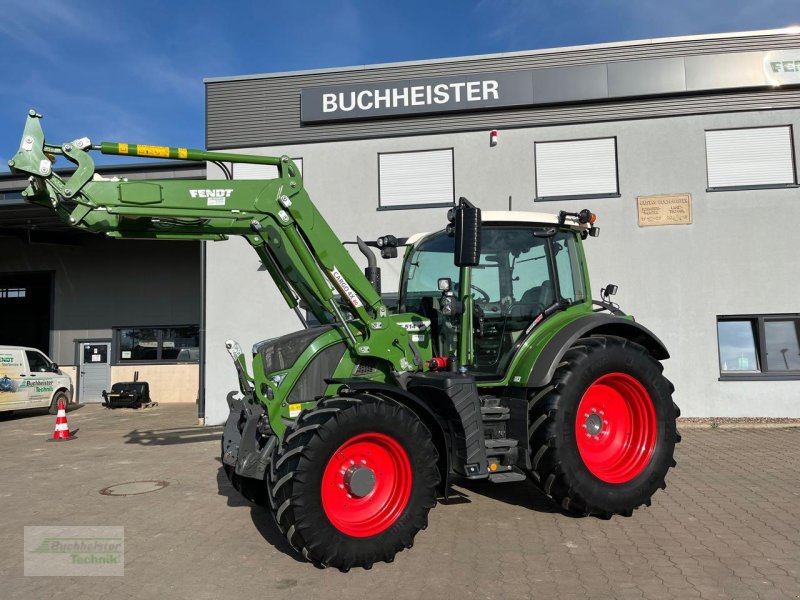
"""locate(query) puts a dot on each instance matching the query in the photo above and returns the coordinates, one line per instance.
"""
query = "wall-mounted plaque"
(667, 209)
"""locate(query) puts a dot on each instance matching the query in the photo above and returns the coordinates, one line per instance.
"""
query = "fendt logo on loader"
(215, 197)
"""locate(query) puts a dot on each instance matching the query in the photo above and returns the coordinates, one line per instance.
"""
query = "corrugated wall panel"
(266, 110)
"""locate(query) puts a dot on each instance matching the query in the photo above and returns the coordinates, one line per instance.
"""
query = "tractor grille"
(311, 383)
(364, 368)
(281, 353)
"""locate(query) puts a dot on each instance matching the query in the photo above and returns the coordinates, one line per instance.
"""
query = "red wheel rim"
(616, 428)
(366, 484)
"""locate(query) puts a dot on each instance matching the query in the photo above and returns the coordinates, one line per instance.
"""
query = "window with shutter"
(750, 158)
(247, 171)
(415, 179)
(576, 169)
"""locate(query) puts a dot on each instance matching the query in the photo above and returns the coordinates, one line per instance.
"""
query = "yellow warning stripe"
(157, 151)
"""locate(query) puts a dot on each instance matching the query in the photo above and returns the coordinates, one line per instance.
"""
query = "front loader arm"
(276, 216)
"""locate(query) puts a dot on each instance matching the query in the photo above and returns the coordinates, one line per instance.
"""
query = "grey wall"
(104, 283)
(259, 110)
(737, 257)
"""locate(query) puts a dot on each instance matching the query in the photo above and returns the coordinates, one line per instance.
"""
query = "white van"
(28, 379)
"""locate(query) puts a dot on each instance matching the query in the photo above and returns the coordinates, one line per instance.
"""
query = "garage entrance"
(25, 309)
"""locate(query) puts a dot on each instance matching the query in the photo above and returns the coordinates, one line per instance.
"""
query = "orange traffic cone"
(62, 429)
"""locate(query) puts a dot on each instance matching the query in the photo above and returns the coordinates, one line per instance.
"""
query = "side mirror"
(608, 291)
(55, 368)
(465, 223)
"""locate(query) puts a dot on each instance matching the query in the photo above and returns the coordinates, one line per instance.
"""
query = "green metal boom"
(298, 248)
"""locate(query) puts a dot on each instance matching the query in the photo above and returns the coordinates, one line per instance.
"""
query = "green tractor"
(496, 365)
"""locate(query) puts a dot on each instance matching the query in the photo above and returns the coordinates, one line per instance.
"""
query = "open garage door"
(25, 309)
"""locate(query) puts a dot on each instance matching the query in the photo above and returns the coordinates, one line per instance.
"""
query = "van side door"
(13, 370)
(40, 377)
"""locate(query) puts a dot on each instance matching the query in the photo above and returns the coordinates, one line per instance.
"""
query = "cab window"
(569, 267)
(433, 260)
(37, 362)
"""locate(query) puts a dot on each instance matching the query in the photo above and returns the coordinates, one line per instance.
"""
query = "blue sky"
(133, 71)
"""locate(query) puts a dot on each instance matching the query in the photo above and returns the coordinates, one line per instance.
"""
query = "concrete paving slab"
(727, 526)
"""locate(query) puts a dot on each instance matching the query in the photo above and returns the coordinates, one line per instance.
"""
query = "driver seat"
(537, 298)
(539, 295)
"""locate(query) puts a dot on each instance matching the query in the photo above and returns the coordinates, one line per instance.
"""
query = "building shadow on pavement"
(170, 437)
(261, 516)
(25, 413)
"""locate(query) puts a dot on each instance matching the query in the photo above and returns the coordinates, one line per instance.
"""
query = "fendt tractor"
(496, 364)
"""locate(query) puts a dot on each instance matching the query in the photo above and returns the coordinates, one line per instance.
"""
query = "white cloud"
(520, 24)
(164, 76)
(46, 28)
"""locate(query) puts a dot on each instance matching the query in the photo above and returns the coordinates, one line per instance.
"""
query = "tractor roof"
(514, 216)
(520, 216)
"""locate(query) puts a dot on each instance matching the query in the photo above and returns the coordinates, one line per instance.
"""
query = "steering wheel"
(486, 297)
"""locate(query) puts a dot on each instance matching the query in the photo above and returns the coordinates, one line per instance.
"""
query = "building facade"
(102, 309)
(684, 148)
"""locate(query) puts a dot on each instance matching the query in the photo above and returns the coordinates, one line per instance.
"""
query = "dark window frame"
(754, 187)
(757, 321)
(428, 205)
(116, 351)
(617, 194)
(13, 293)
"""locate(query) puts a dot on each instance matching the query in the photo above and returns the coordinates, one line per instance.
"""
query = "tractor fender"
(592, 324)
(439, 431)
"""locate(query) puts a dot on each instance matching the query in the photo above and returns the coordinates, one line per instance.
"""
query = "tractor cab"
(529, 266)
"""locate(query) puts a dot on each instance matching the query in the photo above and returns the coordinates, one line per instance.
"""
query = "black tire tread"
(547, 470)
(286, 471)
(53, 408)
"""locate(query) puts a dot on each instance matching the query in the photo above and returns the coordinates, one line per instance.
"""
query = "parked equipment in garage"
(128, 394)
(497, 365)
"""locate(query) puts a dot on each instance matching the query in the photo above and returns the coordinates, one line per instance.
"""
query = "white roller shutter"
(750, 157)
(576, 168)
(248, 171)
(409, 179)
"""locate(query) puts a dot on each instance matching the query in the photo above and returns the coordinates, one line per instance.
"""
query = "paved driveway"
(727, 526)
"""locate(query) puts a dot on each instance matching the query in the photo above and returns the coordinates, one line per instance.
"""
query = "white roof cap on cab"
(513, 216)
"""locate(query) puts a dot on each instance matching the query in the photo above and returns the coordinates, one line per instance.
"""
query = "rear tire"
(353, 481)
(603, 432)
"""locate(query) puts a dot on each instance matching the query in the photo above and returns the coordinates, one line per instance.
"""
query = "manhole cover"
(133, 488)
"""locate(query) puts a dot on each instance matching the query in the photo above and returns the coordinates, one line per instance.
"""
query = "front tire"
(53, 409)
(603, 433)
(353, 481)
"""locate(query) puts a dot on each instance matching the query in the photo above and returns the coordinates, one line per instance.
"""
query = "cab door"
(39, 378)
(13, 370)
